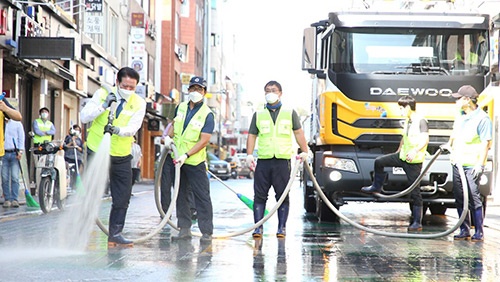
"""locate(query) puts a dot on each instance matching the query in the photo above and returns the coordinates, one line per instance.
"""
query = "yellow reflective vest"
(185, 139)
(275, 138)
(43, 126)
(120, 145)
(467, 142)
(411, 140)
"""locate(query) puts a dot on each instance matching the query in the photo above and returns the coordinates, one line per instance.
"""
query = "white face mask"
(195, 97)
(44, 115)
(271, 98)
(125, 93)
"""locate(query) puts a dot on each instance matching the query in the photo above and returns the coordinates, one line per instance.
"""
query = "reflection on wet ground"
(312, 251)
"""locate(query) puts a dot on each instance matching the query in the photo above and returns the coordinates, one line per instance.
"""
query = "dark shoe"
(206, 238)
(478, 225)
(371, 189)
(463, 235)
(119, 241)
(257, 233)
(282, 218)
(281, 233)
(376, 187)
(417, 219)
(477, 237)
(464, 227)
(258, 214)
(184, 234)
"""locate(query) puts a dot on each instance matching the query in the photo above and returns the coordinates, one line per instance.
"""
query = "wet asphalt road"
(30, 246)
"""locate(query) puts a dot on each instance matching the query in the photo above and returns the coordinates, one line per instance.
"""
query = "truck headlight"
(340, 164)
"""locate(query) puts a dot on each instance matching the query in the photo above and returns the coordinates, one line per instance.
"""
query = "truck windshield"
(410, 51)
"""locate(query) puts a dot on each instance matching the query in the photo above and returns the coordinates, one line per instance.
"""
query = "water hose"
(223, 235)
(415, 183)
(166, 216)
(394, 234)
(162, 224)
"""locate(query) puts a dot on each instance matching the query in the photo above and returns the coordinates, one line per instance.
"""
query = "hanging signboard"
(93, 6)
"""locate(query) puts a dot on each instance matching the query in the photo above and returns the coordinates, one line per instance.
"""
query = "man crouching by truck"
(410, 156)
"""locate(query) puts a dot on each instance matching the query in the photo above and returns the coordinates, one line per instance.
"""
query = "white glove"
(167, 141)
(477, 170)
(116, 130)
(181, 159)
(303, 156)
(250, 160)
(445, 147)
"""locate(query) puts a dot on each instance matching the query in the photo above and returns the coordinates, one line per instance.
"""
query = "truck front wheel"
(324, 213)
(438, 209)
(309, 200)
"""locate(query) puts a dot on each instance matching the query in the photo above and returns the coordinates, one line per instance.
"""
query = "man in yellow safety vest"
(410, 156)
(129, 115)
(191, 129)
(43, 128)
(273, 128)
(469, 142)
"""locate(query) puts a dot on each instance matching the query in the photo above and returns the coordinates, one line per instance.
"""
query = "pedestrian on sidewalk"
(7, 111)
(274, 127)
(129, 116)
(410, 156)
(136, 162)
(74, 139)
(469, 143)
(14, 138)
(192, 128)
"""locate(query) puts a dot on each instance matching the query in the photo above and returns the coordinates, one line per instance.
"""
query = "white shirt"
(94, 108)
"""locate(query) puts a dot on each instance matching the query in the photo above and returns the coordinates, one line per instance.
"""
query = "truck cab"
(361, 63)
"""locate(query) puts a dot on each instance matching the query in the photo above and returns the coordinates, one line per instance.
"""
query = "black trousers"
(412, 172)
(167, 182)
(194, 180)
(136, 173)
(120, 184)
(271, 172)
(473, 188)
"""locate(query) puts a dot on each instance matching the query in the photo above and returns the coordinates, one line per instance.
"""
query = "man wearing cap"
(191, 129)
(469, 143)
(43, 128)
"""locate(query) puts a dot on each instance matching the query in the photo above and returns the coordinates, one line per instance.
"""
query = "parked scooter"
(51, 175)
